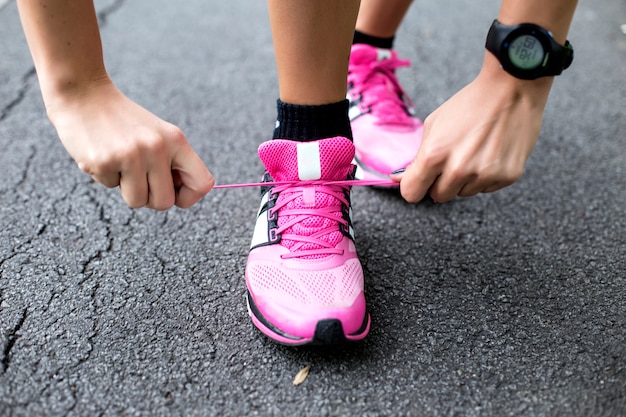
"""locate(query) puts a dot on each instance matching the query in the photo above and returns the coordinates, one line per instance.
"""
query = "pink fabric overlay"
(374, 72)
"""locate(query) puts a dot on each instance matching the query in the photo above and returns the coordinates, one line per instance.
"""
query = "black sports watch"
(528, 51)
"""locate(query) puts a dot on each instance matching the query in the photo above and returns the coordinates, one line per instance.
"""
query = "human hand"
(478, 140)
(119, 143)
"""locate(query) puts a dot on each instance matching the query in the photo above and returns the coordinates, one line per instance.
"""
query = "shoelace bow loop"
(386, 97)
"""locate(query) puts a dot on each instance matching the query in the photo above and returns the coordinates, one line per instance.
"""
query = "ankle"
(308, 123)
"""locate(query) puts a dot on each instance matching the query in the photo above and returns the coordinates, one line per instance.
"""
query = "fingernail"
(398, 171)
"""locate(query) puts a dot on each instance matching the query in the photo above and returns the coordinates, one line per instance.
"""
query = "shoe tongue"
(364, 54)
(326, 159)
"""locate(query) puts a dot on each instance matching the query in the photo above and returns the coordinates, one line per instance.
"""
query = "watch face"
(526, 52)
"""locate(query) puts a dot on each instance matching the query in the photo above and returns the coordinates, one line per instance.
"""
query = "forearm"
(554, 16)
(64, 41)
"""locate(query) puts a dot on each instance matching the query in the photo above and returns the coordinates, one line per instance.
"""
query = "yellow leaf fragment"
(301, 375)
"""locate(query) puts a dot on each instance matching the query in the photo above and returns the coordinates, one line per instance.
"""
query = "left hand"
(478, 140)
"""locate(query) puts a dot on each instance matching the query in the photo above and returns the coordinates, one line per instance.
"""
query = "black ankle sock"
(360, 37)
(309, 123)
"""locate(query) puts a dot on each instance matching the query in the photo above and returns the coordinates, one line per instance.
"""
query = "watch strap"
(560, 56)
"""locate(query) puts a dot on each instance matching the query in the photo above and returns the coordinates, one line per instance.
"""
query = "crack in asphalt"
(109, 245)
(20, 95)
(12, 338)
(27, 164)
(26, 83)
(103, 16)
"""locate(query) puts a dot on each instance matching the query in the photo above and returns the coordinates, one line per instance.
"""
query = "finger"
(134, 186)
(397, 175)
(447, 186)
(470, 191)
(417, 180)
(161, 194)
(454, 177)
(473, 188)
(110, 179)
(495, 187)
(192, 176)
(176, 178)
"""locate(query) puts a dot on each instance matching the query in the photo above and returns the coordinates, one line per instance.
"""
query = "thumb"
(192, 179)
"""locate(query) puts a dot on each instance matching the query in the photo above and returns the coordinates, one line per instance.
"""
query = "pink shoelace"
(384, 95)
(345, 183)
(292, 190)
(332, 212)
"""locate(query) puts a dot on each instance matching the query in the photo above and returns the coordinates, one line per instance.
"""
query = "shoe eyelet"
(273, 197)
(274, 236)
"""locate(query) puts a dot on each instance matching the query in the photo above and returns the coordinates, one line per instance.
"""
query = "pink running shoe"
(304, 279)
(387, 134)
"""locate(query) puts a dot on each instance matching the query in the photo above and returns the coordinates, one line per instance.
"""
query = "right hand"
(119, 143)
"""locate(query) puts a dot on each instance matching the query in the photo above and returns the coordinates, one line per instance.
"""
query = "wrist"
(75, 99)
(63, 90)
(495, 76)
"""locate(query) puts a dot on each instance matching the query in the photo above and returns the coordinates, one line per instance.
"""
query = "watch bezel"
(541, 35)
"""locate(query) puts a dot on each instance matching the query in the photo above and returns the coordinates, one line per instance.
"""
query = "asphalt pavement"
(507, 304)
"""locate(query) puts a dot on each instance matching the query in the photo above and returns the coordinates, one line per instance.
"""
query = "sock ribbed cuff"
(308, 123)
(360, 37)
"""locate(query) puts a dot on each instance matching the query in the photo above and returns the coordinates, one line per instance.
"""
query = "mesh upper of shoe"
(323, 287)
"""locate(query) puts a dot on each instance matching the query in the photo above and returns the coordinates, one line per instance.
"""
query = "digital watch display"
(528, 51)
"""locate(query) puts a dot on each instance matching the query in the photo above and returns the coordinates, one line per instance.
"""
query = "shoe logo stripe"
(261, 227)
